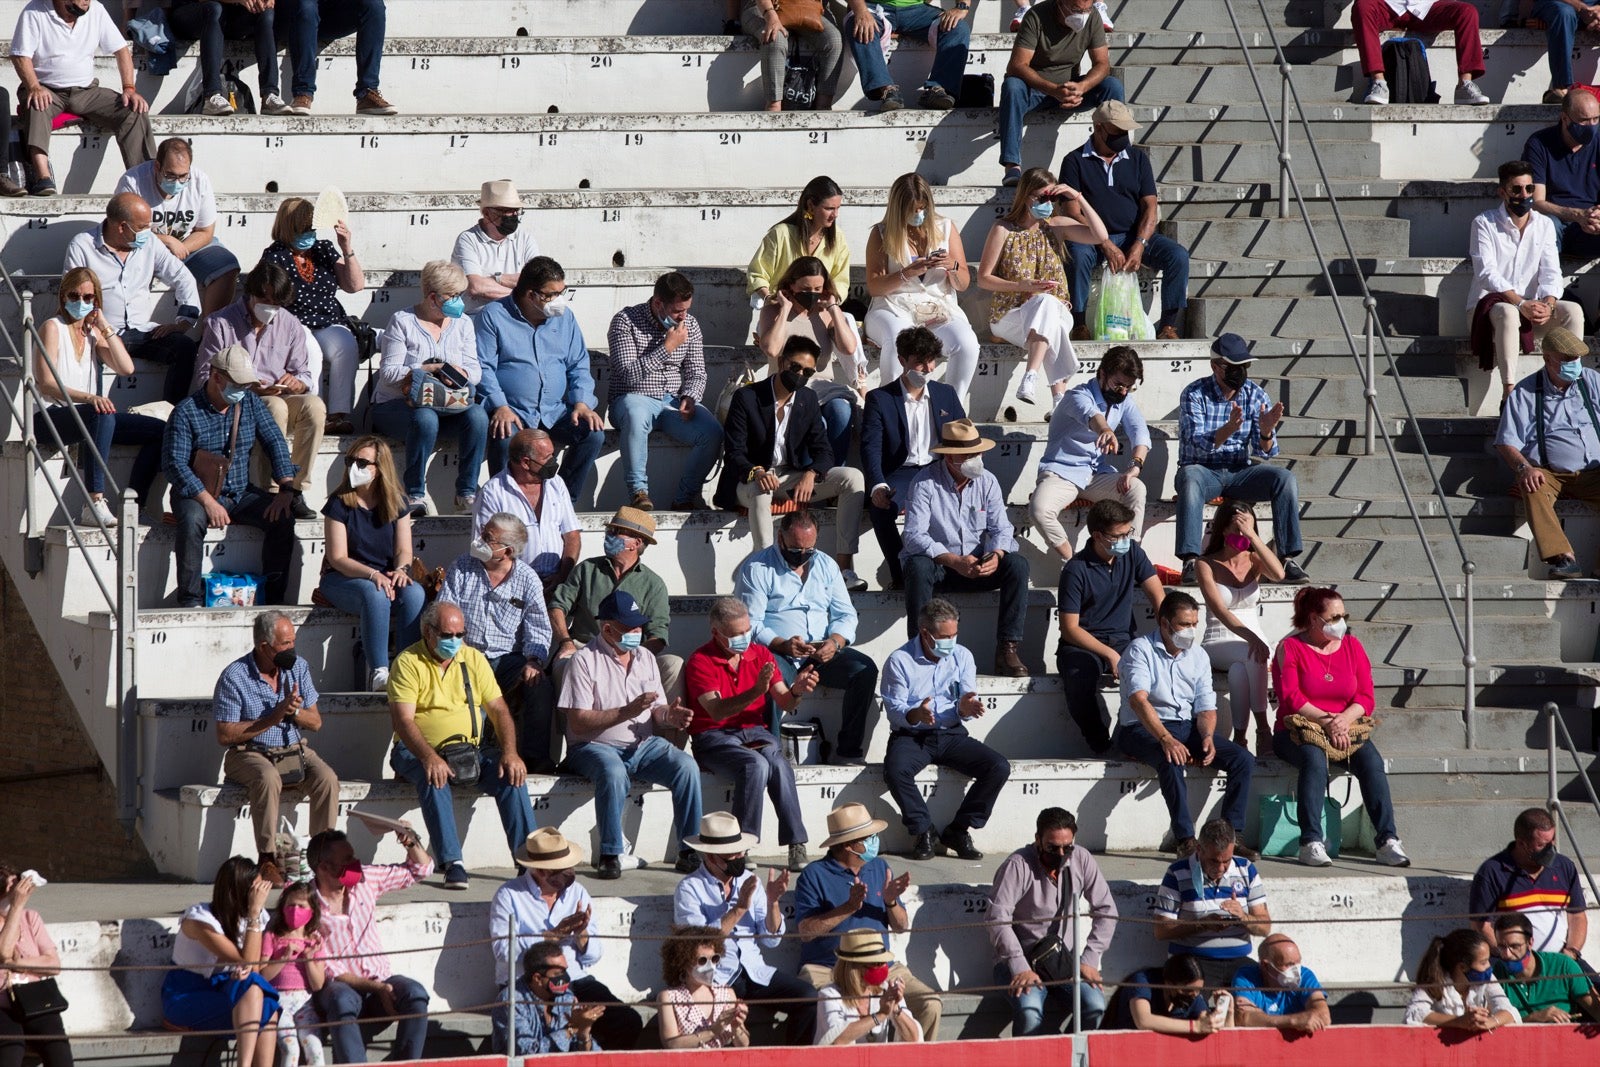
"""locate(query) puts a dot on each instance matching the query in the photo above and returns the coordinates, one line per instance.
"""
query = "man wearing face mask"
(263, 705)
(494, 248)
(1566, 184)
(124, 254)
(1544, 987)
(183, 216)
(1531, 877)
(958, 538)
(549, 1016)
(529, 489)
(657, 363)
(1169, 718)
(1225, 427)
(1280, 992)
(226, 418)
(1549, 436)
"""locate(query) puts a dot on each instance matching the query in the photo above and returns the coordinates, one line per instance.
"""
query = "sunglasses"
(87, 294)
(357, 461)
(701, 961)
(1056, 850)
(458, 633)
(804, 372)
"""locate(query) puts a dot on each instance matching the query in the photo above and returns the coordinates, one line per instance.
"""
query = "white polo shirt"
(125, 283)
(478, 253)
(193, 208)
(63, 55)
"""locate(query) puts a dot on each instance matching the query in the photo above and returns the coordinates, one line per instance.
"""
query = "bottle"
(1221, 1004)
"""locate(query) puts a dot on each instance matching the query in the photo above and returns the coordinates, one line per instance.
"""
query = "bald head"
(1280, 950)
(127, 215)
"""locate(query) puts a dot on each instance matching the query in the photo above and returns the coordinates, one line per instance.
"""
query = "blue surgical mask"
(631, 640)
(739, 643)
(1120, 546)
(233, 394)
(304, 241)
(448, 647)
(1516, 967)
(943, 646)
(78, 310)
(870, 852)
(1571, 370)
(919, 218)
(453, 308)
(615, 544)
(1479, 977)
(668, 322)
(172, 187)
(141, 238)
(1043, 211)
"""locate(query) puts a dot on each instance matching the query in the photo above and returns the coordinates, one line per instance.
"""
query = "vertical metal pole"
(126, 636)
(1469, 660)
(1080, 1041)
(511, 988)
(1550, 713)
(1372, 375)
(1283, 142)
(29, 443)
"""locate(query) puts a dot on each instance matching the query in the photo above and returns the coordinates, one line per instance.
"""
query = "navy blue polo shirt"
(1569, 178)
(1114, 199)
(1101, 594)
(824, 885)
(1137, 987)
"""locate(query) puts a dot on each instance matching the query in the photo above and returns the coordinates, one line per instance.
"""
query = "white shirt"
(63, 55)
(780, 429)
(1504, 258)
(125, 283)
(193, 208)
(834, 1014)
(501, 493)
(478, 253)
(520, 902)
(919, 431)
(191, 954)
(1417, 8)
(1449, 1003)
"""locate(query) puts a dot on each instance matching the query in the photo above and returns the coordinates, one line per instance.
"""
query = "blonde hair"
(293, 219)
(391, 497)
(850, 978)
(70, 281)
(1033, 179)
(443, 277)
(907, 191)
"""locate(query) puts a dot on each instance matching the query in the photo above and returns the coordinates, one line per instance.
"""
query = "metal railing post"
(1469, 658)
(1080, 1041)
(127, 650)
(1554, 805)
(511, 989)
(1371, 374)
(34, 548)
(1285, 69)
(1553, 800)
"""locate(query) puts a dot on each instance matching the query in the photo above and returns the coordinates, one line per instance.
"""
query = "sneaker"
(891, 100)
(420, 505)
(300, 509)
(1016, 20)
(372, 102)
(1469, 93)
(629, 862)
(378, 679)
(1566, 570)
(1013, 176)
(1029, 387)
(1188, 576)
(642, 501)
(217, 104)
(1390, 854)
(42, 187)
(455, 877)
(1315, 854)
(96, 512)
(1377, 93)
(1294, 574)
(302, 104)
(273, 104)
(1105, 16)
(934, 98)
(853, 582)
(797, 856)
(465, 502)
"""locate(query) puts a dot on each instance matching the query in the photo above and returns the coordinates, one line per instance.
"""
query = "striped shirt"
(1501, 885)
(640, 363)
(243, 695)
(1202, 411)
(350, 942)
(509, 617)
(1186, 893)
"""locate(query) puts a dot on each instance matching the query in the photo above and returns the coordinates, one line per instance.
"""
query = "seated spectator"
(903, 422)
(657, 360)
(775, 442)
(1279, 991)
(31, 954)
(852, 889)
(8, 187)
(214, 22)
(696, 1010)
(260, 323)
(865, 1003)
(368, 554)
(183, 209)
(536, 372)
(1369, 18)
(916, 266)
(958, 538)
(215, 984)
(811, 229)
(264, 704)
(1211, 903)
(1549, 438)
(611, 695)
(529, 489)
(800, 607)
(225, 418)
(912, 20)
(1030, 904)
(1043, 72)
(929, 693)
(547, 906)
(1566, 186)
(306, 25)
(321, 272)
(1456, 987)
(1530, 877)
(431, 339)
(727, 895)
(442, 693)
(1225, 422)
(806, 304)
(1114, 179)
(1170, 999)
(493, 250)
(78, 346)
(1022, 266)
(1083, 437)
(760, 19)
(549, 1017)
(1230, 572)
(292, 947)
(729, 682)
(125, 259)
(361, 981)
(54, 58)
(1559, 995)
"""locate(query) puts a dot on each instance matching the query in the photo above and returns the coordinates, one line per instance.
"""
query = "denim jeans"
(438, 808)
(1081, 671)
(612, 769)
(1161, 254)
(580, 447)
(1560, 32)
(838, 419)
(753, 761)
(636, 414)
(911, 23)
(1233, 760)
(419, 429)
(304, 24)
(119, 428)
(856, 674)
(1027, 1011)
(342, 1006)
(1017, 98)
(211, 22)
(189, 540)
(910, 751)
(1198, 484)
(1366, 763)
(924, 578)
(366, 601)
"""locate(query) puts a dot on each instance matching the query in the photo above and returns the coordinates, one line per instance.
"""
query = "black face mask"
(736, 866)
(1234, 376)
(508, 224)
(1113, 396)
(796, 557)
(794, 380)
(559, 983)
(284, 660)
(1118, 142)
(807, 300)
(548, 471)
(1519, 206)
(1544, 856)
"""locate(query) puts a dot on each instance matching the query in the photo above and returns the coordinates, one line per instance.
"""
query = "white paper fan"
(330, 209)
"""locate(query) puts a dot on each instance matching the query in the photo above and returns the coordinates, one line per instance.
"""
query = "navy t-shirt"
(1116, 200)
(366, 541)
(1569, 178)
(1101, 594)
(1137, 987)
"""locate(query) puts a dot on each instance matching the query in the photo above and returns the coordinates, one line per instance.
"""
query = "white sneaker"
(1469, 93)
(1105, 15)
(1390, 854)
(1377, 93)
(630, 862)
(96, 512)
(379, 679)
(273, 104)
(1022, 9)
(1315, 854)
(1029, 386)
(217, 104)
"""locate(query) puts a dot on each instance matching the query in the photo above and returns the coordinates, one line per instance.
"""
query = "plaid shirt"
(354, 934)
(510, 617)
(242, 695)
(640, 363)
(195, 424)
(1202, 412)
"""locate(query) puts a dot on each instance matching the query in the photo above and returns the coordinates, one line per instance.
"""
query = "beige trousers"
(844, 484)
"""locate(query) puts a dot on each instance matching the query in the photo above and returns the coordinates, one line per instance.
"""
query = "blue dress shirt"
(242, 695)
(540, 372)
(699, 900)
(520, 900)
(1179, 687)
(1570, 438)
(783, 603)
(1070, 453)
(969, 521)
(911, 676)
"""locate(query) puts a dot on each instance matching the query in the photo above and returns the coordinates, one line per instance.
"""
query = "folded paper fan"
(330, 209)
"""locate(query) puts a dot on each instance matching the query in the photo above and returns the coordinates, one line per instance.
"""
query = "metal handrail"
(1553, 803)
(1465, 634)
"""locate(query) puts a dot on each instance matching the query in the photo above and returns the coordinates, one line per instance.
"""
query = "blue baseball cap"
(620, 607)
(1231, 348)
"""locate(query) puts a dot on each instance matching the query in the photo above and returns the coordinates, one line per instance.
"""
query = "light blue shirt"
(967, 522)
(783, 603)
(540, 372)
(1569, 433)
(700, 901)
(519, 901)
(1071, 453)
(1179, 687)
(911, 676)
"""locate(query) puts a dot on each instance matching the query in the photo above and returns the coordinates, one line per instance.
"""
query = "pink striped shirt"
(354, 934)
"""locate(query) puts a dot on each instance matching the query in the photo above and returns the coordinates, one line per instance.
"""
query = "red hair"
(1312, 601)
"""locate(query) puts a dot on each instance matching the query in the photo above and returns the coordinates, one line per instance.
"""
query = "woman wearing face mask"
(916, 267)
(863, 1005)
(696, 1010)
(1322, 673)
(807, 304)
(1230, 571)
(367, 528)
(27, 953)
(1022, 266)
(321, 272)
(811, 229)
(424, 340)
(1170, 999)
(1456, 989)
(78, 346)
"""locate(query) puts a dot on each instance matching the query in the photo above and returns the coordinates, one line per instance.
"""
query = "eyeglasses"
(458, 633)
(803, 372)
(542, 295)
(1519, 189)
(1342, 617)
(701, 961)
(357, 461)
(87, 294)
(168, 175)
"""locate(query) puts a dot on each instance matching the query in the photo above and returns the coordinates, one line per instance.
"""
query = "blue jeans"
(1233, 760)
(1027, 1011)
(580, 447)
(438, 811)
(419, 429)
(120, 428)
(1017, 99)
(212, 22)
(1198, 484)
(250, 509)
(341, 1007)
(1572, 241)
(304, 24)
(1366, 763)
(838, 419)
(361, 598)
(612, 769)
(754, 771)
(1161, 254)
(636, 414)
(949, 54)
(1560, 33)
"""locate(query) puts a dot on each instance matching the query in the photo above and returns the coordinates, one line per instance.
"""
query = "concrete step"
(1272, 238)
(1314, 315)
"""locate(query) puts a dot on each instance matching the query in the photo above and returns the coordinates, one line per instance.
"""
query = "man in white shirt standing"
(183, 216)
(494, 250)
(1516, 278)
(1372, 17)
(53, 50)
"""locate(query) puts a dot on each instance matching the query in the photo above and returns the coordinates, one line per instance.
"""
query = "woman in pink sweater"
(1322, 673)
(27, 953)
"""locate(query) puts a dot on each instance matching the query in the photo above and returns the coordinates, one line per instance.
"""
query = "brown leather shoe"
(1244, 851)
(1082, 333)
(270, 871)
(372, 102)
(301, 105)
(1185, 848)
(642, 501)
(1007, 664)
(1168, 333)
(11, 188)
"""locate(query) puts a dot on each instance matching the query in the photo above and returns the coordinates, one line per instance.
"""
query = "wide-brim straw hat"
(851, 822)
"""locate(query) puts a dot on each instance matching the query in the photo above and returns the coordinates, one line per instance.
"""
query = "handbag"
(289, 761)
(1049, 957)
(447, 390)
(733, 385)
(38, 998)
(212, 469)
(1280, 825)
(366, 336)
(800, 81)
(461, 751)
(803, 15)
(1303, 731)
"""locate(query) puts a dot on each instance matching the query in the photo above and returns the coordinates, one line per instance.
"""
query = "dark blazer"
(747, 438)
(884, 433)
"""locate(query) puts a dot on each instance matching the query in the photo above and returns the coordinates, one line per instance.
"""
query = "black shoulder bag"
(460, 751)
(1050, 957)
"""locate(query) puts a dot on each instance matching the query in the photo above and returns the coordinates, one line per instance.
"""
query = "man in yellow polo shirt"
(449, 721)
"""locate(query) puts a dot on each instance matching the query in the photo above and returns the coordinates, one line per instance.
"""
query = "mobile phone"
(810, 661)
(986, 557)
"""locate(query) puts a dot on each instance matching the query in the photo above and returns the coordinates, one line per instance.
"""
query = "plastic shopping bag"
(1116, 312)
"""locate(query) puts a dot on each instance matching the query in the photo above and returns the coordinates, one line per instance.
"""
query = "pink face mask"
(1238, 542)
(296, 915)
(351, 876)
(877, 974)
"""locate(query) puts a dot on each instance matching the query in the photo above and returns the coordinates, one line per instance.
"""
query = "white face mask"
(706, 972)
(1183, 639)
(972, 467)
(1288, 977)
(558, 306)
(1078, 20)
(1336, 629)
(481, 550)
(360, 476)
(264, 313)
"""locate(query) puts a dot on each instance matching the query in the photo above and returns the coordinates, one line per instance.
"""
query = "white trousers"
(960, 348)
(1048, 317)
